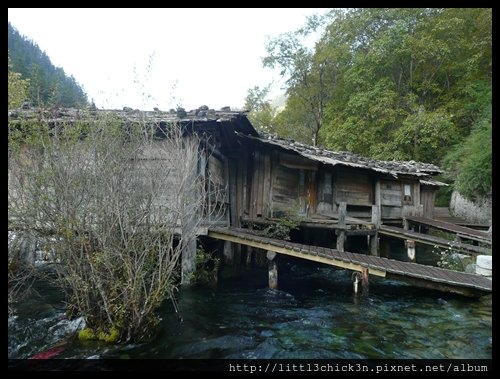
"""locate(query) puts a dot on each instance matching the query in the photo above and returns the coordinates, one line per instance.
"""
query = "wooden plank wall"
(241, 185)
(285, 187)
(353, 187)
(234, 213)
(427, 199)
(218, 187)
(217, 172)
(312, 192)
(391, 198)
(269, 185)
(155, 158)
(325, 192)
(391, 193)
(260, 185)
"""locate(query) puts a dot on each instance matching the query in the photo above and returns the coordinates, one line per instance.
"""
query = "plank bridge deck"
(461, 231)
(432, 240)
(417, 274)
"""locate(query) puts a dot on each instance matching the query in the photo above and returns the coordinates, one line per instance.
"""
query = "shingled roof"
(230, 124)
(202, 114)
(394, 168)
(223, 122)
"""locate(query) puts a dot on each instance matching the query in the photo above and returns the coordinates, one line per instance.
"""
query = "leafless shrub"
(123, 206)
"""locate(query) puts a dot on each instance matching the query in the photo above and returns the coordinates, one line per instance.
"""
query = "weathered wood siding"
(155, 158)
(311, 196)
(325, 191)
(427, 199)
(353, 187)
(399, 198)
(273, 184)
(285, 190)
(217, 188)
(260, 184)
(391, 198)
(156, 162)
(217, 173)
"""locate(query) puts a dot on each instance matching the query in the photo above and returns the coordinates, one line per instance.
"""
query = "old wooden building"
(264, 178)
(271, 177)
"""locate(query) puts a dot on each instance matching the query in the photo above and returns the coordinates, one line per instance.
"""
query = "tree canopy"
(18, 89)
(398, 83)
(48, 85)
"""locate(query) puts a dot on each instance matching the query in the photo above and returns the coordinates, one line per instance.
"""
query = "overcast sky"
(143, 58)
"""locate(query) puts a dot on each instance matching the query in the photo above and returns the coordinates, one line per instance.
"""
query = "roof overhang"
(325, 157)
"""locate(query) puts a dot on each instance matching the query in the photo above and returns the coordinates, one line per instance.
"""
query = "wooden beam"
(367, 229)
(361, 232)
(294, 253)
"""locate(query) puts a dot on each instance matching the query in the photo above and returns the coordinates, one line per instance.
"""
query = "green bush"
(207, 268)
(281, 229)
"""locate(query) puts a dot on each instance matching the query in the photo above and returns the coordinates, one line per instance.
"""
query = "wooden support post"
(342, 214)
(376, 216)
(365, 280)
(188, 264)
(374, 245)
(374, 240)
(361, 278)
(249, 255)
(410, 249)
(341, 226)
(355, 282)
(273, 270)
(340, 240)
(228, 252)
(406, 224)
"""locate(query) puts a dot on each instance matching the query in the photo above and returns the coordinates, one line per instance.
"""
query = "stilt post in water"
(341, 226)
(410, 250)
(273, 270)
(365, 280)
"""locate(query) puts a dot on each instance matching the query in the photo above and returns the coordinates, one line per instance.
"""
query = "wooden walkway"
(432, 240)
(416, 274)
(460, 231)
(443, 214)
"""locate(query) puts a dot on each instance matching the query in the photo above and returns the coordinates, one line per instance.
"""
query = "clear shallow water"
(314, 315)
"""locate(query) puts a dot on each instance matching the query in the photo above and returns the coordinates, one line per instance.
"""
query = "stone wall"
(478, 211)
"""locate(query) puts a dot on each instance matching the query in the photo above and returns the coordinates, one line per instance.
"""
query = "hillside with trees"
(43, 83)
(403, 84)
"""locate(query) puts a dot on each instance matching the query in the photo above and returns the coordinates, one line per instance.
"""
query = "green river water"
(313, 315)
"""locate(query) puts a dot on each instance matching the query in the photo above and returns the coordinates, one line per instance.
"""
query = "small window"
(407, 194)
